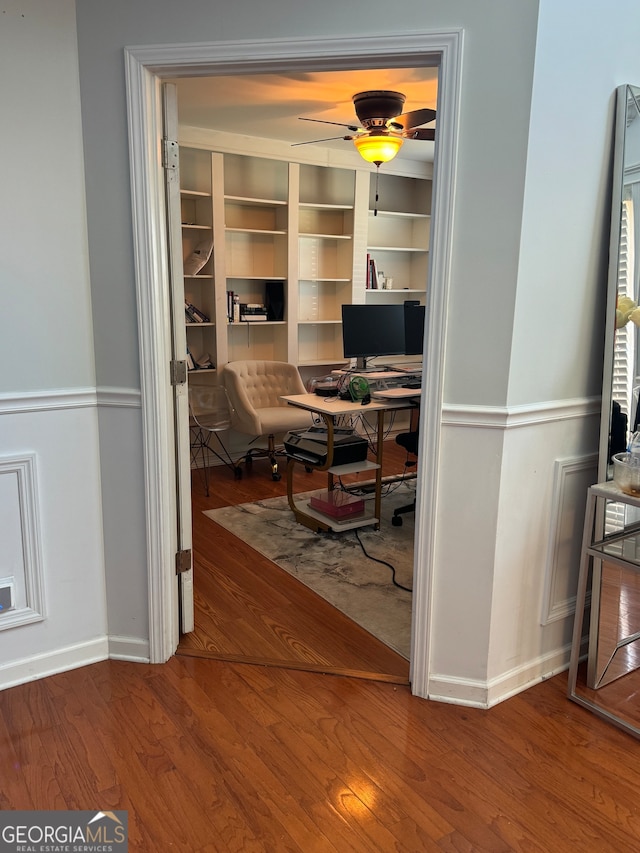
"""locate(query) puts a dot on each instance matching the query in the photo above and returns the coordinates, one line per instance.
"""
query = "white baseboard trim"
(486, 694)
(52, 663)
(130, 649)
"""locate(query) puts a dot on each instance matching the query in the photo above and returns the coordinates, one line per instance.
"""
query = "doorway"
(218, 114)
(145, 68)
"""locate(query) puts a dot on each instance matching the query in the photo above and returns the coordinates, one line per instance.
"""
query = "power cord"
(384, 563)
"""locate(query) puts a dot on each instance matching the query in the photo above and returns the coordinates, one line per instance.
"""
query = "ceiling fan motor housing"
(374, 109)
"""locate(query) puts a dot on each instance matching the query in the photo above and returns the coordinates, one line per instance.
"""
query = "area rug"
(334, 565)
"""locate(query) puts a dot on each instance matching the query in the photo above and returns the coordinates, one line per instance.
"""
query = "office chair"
(255, 389)
(209, 415)
(408, 440)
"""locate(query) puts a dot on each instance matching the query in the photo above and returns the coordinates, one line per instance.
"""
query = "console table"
(620, 548)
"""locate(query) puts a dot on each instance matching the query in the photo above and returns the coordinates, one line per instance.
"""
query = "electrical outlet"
(6, 596)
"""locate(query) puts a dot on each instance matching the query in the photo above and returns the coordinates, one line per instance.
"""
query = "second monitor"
(370, 331)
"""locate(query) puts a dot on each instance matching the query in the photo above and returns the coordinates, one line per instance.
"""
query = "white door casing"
(145, 67)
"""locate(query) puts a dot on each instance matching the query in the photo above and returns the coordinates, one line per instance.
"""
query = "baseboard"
(486, 694)
(52, 663)
(533, 672)
(129, 648)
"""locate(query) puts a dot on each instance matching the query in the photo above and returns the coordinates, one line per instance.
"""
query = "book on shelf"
(195, 315)
(233, 307)
(202, 362)
(373, 274)
(252, 318)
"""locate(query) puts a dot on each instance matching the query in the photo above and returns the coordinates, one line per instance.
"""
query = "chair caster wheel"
(396, 520)
(276, 476)
(237, 473)
(308, 470)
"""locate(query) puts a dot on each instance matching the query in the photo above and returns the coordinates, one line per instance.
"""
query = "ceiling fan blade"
(352, 127)
(415, 118)
(428, 133)
(327, 139)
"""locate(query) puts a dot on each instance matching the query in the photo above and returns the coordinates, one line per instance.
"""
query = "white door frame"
(145, 67)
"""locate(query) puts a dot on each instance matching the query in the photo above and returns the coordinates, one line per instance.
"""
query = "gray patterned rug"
(334, 564)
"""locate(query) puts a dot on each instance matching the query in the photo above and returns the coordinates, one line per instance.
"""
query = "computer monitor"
(369, 331)
(414, 314)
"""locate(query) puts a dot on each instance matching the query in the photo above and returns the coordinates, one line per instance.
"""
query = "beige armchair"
(255, 389)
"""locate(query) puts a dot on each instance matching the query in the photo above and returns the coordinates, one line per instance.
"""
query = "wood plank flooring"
(212, 757)
(215, 756)
(248, 609)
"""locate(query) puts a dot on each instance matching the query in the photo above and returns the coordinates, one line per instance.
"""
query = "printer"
(310, 446)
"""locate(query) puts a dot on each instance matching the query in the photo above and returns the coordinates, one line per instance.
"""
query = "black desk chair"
(408, 440)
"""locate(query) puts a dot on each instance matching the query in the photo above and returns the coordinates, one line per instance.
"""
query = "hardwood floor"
(209, 756)
(247, 608)
(218, 756)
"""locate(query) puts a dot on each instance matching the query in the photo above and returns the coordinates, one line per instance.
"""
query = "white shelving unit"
(256, 240)
(398, 237)
(196, 210)
(308, 226)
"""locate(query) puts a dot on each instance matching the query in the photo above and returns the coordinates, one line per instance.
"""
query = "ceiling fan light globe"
(377, 149)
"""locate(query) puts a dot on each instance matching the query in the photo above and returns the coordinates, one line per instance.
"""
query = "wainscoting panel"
(51, 533)
(572, 478)
(21, 582)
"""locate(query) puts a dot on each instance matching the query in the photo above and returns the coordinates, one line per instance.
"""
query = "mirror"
(621, 374)
(608, 681)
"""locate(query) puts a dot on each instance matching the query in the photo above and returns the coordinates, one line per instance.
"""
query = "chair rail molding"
(145, 67)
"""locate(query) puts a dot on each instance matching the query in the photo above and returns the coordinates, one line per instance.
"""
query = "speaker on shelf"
(274, 300)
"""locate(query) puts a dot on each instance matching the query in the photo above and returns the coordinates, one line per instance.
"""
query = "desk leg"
(379, 446)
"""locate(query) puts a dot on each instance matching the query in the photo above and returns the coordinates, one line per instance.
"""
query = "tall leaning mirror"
(607, 680)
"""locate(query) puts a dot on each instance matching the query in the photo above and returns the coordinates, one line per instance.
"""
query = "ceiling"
(270, 105)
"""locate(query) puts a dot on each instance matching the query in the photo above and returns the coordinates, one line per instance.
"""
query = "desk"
(329, 408)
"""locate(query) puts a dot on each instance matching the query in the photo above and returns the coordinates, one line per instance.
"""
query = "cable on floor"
(384, 563)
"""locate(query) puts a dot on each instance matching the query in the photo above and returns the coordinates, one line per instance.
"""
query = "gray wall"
(534, 138)
(499, 36)
(489, 188)
(51, 520)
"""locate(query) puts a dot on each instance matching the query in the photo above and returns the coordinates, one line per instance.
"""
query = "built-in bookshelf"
(196, 213)
(305, 228)
(398, 238)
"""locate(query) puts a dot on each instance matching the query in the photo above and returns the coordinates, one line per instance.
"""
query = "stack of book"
(337, 504)
(244, 312)
(250, 312)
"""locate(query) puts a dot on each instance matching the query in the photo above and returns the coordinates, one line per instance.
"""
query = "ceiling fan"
(383, 126)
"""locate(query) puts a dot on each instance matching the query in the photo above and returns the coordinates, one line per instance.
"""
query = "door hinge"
(183, 561)
(169, 154)
(178, 371)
